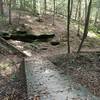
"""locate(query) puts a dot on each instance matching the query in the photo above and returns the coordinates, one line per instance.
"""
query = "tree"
(1, 7)
(76, 10)
(45, 6)
(96, 16)
(10, 12)
(79, 17)
(68, 25)
(97, 5)
(54, 11)
(86, 9)
(86, 26)
(71, 7)
(34, 7)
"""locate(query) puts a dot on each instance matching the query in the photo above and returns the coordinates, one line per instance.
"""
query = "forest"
(49, 49)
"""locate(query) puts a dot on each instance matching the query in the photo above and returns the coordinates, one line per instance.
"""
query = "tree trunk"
(24, 4)
(1, 7)
(71, 7)
(34, 7)
(86, 8)
(54, 7)
(76, 11)
(10, 12)
(79, 18)
(68, 26)
(86, 26)
(96, 17)
(21, 4)
(45, 6)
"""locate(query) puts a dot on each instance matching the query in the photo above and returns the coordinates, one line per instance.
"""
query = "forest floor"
(12, 81)
(46, 49)
(83, 68)
(92, 43)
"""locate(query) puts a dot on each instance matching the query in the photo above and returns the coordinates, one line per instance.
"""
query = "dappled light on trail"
(51, 82)
(5, 69)
(47, 71)
(27, 52)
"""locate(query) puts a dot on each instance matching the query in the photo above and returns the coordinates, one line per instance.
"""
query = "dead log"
(11, 47)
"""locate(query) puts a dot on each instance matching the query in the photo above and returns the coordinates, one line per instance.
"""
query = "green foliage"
(93, 28)
(98, 35)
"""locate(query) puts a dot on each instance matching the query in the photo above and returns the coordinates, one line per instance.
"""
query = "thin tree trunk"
(79, 18)
(34, 7)
(10, 12)
(96, 17)
(68, 26)
(1, 7)
(24, 4)
(54, 7)
(76, 10)
(86, 8)
(86, 26)
(21, 4)
(45, 6)
(71, 7)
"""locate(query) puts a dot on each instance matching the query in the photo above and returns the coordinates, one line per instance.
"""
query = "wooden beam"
(11, 47)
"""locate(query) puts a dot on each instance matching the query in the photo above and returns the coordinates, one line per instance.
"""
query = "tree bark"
(79, 18)
(86, 8)
(10, 12)
(96, 17)
(45, 6)
(54, 8)
(76, 11)
(86, 26)
(34, 7)
(71, 7)
(68, 26)
(1, 7)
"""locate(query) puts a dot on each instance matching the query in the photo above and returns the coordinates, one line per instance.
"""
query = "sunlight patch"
(28, 53)
(20, 47)
(91, 34)
(47, 71)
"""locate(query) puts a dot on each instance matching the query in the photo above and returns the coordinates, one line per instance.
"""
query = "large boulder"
(32, 37)
(21, 29)
(23, 33)
(27, 37)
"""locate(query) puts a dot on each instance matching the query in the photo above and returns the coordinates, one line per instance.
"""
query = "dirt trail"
(49, 82)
